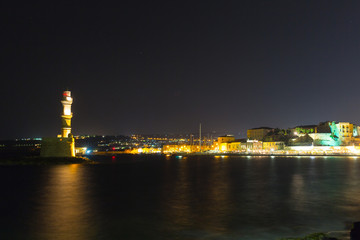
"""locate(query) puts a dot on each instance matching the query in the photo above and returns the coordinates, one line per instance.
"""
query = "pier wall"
(58, 147)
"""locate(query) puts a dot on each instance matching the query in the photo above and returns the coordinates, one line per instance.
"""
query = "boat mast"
(200, 137)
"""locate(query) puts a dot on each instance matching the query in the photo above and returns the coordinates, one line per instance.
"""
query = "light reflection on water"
(352, 191)
(63, 209)
(298, 195)
(198, 197)
(202, 202)
(177, 199)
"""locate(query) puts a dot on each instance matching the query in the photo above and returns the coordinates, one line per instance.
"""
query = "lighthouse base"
(58, 147)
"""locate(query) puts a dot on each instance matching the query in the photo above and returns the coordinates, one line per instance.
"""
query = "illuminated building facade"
(64, 144)
(241, 145)
(223, 142)
(238, 146)
(178, 148)
(324, 139)
(344, 133)
(185, 148)
(254, 145)
(223, 147)
(233, 147)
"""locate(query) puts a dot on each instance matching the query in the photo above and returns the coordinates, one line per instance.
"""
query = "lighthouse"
(64, 144)
(67, 114)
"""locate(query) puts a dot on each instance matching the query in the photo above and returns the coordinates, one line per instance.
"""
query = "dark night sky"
(165, 66)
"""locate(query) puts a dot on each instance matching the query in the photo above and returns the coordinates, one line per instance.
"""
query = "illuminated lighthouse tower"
(67, 114)
(64, 144)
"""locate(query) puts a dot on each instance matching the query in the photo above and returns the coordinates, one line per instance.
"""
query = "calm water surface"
(198, 197)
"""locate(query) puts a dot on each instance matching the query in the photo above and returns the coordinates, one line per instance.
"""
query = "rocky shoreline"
(353, 234)
(322, 236)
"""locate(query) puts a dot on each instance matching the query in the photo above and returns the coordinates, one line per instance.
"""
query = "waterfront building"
(239, 145)
(234, 147)
(326, 134)
(343, 133)
(323, 139)
(254, 145)
(145, 150)
(64, 144)
(215, 146)
(185, 148)
(322, 150)
(258, 133)
(223, 147)
(273, 146)
(356, 132)
(223, 142)
(182, 148)
(226, 139)
(356, 141)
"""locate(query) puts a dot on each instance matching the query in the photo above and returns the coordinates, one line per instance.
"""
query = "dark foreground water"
(154, 197)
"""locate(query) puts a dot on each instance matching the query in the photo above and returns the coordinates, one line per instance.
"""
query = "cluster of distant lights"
(29, 139)
(256, 156)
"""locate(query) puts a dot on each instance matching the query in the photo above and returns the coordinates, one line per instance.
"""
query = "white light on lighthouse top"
(67, 101)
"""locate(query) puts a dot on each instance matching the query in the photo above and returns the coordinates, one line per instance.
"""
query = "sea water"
(189, 197)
